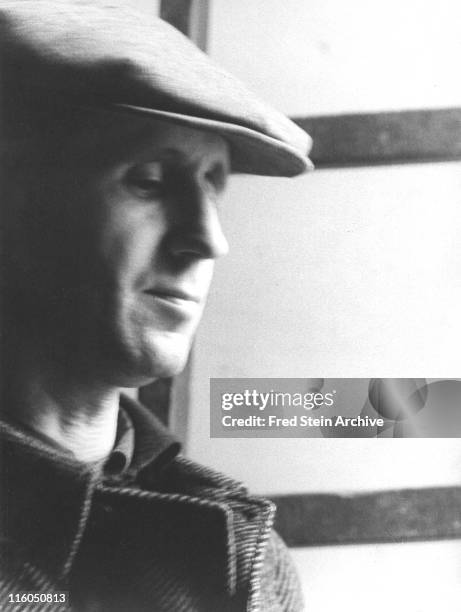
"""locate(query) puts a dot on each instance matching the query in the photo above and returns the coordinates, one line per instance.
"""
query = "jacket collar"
(48, 497)
(39, 483)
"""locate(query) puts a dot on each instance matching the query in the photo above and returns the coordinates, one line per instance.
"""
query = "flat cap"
(103, 55)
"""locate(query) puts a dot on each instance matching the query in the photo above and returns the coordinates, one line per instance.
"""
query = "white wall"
(343, 272)
(148, 6)
(417, 577)
(332, 56)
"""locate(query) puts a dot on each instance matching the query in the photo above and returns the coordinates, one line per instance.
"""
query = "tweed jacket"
(176, 537)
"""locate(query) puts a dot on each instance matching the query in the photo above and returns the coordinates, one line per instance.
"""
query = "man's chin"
(161, 357)
(164, 366)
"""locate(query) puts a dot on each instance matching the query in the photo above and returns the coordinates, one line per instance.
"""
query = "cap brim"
(251, 151)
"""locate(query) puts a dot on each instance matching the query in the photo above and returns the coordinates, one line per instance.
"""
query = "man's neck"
(79, 417)
(84, 424)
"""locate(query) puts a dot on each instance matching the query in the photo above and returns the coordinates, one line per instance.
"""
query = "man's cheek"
(129, 253)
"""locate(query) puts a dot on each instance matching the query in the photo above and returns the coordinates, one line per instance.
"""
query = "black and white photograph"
(229, 310)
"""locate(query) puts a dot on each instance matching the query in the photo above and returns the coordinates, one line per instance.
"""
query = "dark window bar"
(177, 12)
(381, 517)
(189, 16)
(368, 139)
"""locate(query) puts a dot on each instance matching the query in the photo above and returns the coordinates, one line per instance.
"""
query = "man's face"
(125, 254)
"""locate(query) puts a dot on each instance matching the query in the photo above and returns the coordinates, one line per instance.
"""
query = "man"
(118, 139)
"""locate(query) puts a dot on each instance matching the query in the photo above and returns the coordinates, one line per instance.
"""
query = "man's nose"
(197, 231)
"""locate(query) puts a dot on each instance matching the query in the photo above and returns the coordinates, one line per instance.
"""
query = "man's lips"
(173, 294)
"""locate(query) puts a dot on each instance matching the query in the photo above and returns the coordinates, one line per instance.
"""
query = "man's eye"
(215, 177)
(146, 181)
